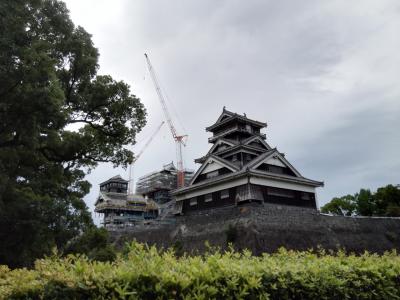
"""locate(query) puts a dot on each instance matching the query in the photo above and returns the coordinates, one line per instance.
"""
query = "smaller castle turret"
(121, 209)
(115, 184)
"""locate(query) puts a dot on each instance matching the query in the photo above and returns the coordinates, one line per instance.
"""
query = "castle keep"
(240, 168)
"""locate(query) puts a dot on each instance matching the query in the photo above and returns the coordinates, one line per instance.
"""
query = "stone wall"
(265, 228)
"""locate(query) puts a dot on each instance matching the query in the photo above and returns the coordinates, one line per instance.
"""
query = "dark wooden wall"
(297, 198)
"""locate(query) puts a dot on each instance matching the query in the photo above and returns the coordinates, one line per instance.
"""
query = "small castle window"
(208, 198)
(193, 201)
(281, 192)
(224, 194)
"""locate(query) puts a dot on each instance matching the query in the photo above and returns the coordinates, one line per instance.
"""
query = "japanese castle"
(240, 168)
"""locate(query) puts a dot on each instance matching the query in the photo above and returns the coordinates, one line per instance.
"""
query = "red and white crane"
(180, 140)
(140, 154)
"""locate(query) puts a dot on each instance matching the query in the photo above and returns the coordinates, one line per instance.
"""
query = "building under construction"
(120, 208)
(158, 185)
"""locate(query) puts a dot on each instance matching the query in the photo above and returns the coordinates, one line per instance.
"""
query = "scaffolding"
(157, 185)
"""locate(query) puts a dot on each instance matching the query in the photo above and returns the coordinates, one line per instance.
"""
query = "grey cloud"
(323, 74)
(362, 152)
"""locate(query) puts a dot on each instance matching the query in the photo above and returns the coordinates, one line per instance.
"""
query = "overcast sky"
(324, 75)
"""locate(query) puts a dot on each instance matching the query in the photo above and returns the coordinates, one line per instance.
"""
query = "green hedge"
(146, 273)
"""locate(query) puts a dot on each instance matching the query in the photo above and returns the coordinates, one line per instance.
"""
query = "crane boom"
(161, 98)
(179, 139)
(140, 154)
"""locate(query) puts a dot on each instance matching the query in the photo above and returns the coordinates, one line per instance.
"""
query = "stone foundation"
(265, 228)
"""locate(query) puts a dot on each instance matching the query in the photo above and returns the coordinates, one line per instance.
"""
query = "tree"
(365, 203)
(94, 244)
(388, 201)
(58, 119)
(343, 206)
(384, 202)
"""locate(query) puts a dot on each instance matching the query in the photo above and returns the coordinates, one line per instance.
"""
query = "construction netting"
(163, 180)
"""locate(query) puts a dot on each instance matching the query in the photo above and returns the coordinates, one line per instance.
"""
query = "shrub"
(94, 244)
(147, 273)
(178, 247)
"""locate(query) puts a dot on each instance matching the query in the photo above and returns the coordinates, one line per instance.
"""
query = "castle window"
(305, 196)
(234, 157)
(280, 192)
(208, 198)
(193, 201)
(224, 194)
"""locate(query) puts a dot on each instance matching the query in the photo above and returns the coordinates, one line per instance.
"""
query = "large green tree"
(384, 202)
(343, 206)
(58, 119)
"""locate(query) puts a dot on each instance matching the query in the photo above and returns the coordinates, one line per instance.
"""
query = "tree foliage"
(343, 206)
(384, 202)
(58, 117)
(94, 244)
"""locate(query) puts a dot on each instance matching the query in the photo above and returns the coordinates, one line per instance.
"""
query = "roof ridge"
(232, 116)
(288, 177)
(116, 177)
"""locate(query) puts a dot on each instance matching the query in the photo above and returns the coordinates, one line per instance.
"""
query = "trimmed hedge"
(147, 273)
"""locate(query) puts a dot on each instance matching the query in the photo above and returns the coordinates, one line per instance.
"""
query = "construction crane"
(140, 154)
(180, 140)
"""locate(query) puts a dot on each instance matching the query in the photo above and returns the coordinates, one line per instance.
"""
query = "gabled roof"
(210, 181)
(273, 152)
(111, 197)
(288, 178)
(243, 173)
(219, 142)
(219, 160)
(256, 138)
(241, 148)
(233, 150)
(116, 178)
(211, 151)
(227, 116)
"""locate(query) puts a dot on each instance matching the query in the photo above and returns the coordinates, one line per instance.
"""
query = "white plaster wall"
(213, 166)
(282, 185)
(275, 162)
(213, 189)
